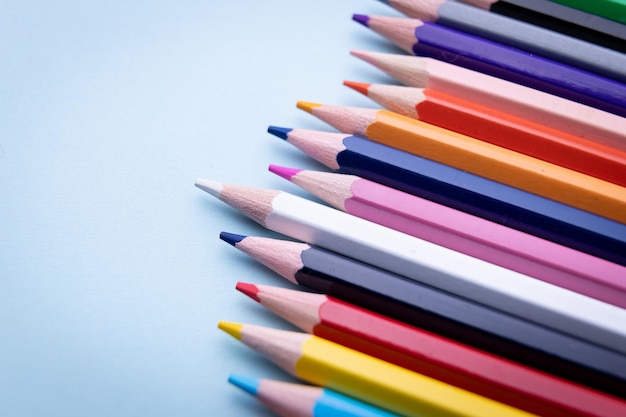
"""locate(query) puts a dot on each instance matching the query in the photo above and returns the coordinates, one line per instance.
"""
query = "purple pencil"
(445, 44)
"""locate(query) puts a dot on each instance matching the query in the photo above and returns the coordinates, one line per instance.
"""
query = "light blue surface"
(112, 275)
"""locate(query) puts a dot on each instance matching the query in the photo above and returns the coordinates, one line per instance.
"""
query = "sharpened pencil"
(424, 262)
(391, 387)
(434, 356)
(500, 245)
(560, 18)
(518, 100)
(463, 191)
(480, 158)
(288, 399)
(520, 35)
(438, 312)
(610, 9)
(423, 38)
(501, 129)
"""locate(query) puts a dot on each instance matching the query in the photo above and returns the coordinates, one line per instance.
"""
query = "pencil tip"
(231, 238)
(307, 106)
(361, 18)
(281, 132)
(360, 87)
(212, 187)
(250, 290)
(233, 329)
(363, 55)
(246, 383)
(284, 172)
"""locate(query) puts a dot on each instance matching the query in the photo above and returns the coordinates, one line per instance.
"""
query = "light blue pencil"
(289, 399)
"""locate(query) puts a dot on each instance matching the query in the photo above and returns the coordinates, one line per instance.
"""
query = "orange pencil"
(500, 128)
(480, 158)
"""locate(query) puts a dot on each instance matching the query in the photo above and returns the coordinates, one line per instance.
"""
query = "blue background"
(112, 275)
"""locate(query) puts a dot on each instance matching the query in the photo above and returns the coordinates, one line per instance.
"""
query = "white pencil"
(425, 262)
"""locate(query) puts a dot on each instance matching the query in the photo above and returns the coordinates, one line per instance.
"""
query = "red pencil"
(432, 355)
(500, 128)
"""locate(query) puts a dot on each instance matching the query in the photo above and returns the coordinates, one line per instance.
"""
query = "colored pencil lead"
(360, 87)
(248, 289)
(283, 172)
(246, 383)
(233, 329)
(307, 106)
(361, 18)
(231, 238)
(212, 187)
(280, 132)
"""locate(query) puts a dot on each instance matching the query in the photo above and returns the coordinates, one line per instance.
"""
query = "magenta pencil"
(471, 235)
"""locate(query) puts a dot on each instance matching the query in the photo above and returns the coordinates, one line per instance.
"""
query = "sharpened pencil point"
(250, 290)
(212, 187)
(233, 329)
(360, 87)
(281, 132)
(365, 56)
(231, 238)
(246, 383)
(307, 106)
(361, 18)
(284, 172)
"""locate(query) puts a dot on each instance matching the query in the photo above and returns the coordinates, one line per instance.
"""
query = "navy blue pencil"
(449, 186)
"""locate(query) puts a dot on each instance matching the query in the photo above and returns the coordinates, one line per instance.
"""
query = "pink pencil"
(550, 110)
(471, 235)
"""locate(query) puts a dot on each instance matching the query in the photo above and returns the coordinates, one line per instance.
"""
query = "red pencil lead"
(250, 290)
(360, 87)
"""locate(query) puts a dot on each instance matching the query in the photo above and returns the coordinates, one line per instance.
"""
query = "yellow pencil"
(361, 376)
(477, 157)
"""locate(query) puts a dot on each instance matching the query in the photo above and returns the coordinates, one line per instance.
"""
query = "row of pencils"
(470, 259)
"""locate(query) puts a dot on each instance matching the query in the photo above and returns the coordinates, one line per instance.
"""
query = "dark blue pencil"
(488, 199)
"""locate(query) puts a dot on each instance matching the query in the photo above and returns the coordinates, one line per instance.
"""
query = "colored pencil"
(610, 9)
(446, 44)
(438, 312)
(474, 236)
(563, 19)
(478, 157)
(520, 35)
(391, 387)
(518, 100)
(424, 262)
(500, 128)
(463, 191)
(434, 356)
(297, 400)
